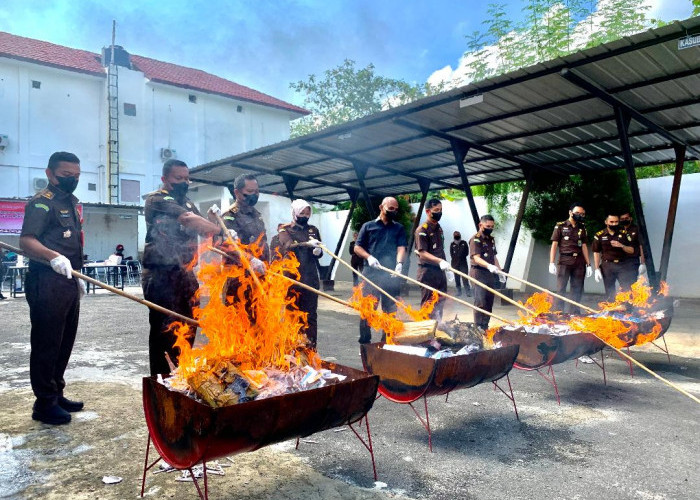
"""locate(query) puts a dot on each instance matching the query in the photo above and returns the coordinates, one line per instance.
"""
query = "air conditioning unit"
(4, 141)
(40, 183)
(167, 154)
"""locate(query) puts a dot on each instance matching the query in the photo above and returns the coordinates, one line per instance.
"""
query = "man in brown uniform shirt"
(300, 231)
(571, 239)
(459, 252)
(51, 238)
(626, 223)
(613, 255)
(432, 266)
(173, 224)
(484, 264)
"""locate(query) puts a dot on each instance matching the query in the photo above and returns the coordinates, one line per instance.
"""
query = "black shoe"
(69, 405)
(459, 292)
(52, 415)
(2, 297)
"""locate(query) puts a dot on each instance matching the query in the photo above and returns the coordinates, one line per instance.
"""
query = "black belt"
(429, 265)
(616, 261)
(571, 254)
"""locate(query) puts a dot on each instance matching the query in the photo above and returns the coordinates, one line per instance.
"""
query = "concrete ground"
(634, 438)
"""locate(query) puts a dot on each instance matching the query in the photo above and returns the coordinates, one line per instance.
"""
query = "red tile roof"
(29, 49)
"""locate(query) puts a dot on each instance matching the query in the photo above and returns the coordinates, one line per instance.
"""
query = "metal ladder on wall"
(113, 125)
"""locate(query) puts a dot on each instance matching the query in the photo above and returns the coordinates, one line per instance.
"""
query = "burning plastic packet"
(468, 349)
(407, 349)
(445, 353)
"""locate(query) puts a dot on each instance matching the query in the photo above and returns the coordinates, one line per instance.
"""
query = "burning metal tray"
(186, 432)
(403, 378)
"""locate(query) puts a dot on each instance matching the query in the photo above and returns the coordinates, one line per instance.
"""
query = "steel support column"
(672, 208)
(361, 171)
(338, 246)
(623, 122)
(518, 221)
(424, 187)
(460, 151)
(290, 183)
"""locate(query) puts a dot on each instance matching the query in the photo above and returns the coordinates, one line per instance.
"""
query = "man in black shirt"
(459, 253)
(51, 233)
(172, 226)
(382, 242)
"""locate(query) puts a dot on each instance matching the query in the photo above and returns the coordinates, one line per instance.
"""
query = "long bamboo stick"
(95, 282)
(492, 290)
(542, 289)
(439, 292)
(380, 289)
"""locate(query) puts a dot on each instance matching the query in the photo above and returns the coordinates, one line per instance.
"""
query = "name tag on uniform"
(566, 237)
(486, 255)
(580, 243)
(64, 213)
(67, 233)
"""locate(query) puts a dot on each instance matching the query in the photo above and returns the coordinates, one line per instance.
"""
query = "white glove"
(589, 271)
(642, 269)
(492, 268)
(82, 289)
(233, 234)
(552, 268)
(502, 277)
(598, 276)
(317, 251)
(61, 265)
(399, 267)
(450, 275)
(444, 265)
(313, 242)
(214, 209)
(258, 266)
(372, 262)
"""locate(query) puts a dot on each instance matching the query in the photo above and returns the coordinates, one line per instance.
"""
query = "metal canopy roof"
(558, 116)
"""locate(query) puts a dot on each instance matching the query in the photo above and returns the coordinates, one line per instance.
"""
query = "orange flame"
(663, 289)
(366, 305)
(424, 312)
(538, 303)
(257, 329)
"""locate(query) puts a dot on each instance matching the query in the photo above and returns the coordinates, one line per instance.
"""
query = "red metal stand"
(147, 467)
(367, 444)
(664, 348)
(509, 396)
(600, 365)
(549, 377)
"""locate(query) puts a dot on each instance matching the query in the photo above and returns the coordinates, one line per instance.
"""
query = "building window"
(92, 186)
(130, 191)
(36, 84)
(129, 109)
(193, 98)
(239, 109)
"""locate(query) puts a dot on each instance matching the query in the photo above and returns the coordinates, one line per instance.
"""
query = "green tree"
(346, 93)
(696, 7)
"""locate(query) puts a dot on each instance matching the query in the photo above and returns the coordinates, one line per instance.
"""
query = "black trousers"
(174, 289)
(54, 309)
(483, 298)
(391, 285)
(307, 302)
(575, 274)
(625, 272)
(434, 277)
(458, 279)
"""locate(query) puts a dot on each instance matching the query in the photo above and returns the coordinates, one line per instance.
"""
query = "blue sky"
(266, 44)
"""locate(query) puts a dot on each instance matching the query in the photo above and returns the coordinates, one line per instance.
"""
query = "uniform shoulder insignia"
(477, 239)
(228, 217)
(168, 198)
(425, 226)
(422, 234)
(42, 206)
(47, 194)
(560, 223)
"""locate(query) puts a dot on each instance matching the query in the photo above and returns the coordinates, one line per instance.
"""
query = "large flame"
(259, 328)
(366, 305)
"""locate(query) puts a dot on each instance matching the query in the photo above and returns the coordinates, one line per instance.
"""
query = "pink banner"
(11, 216)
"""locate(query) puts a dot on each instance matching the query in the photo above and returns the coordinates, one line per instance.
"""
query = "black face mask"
(487, 231)
(67, 184)
(579, 217)
(302, 221)
(392, 215)
(625, 223)
(436, 216)
(457, 238)
(251, 199)
(613, 227)
(179, 190)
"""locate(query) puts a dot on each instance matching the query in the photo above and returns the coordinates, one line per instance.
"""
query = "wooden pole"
(243, 256)
(542, 289)
(391, 297)
(439, 292)
(492, 290)
(95, 282)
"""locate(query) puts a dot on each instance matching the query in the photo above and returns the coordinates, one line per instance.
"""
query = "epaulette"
(560, 223)
(425, 225)
(47, 193)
